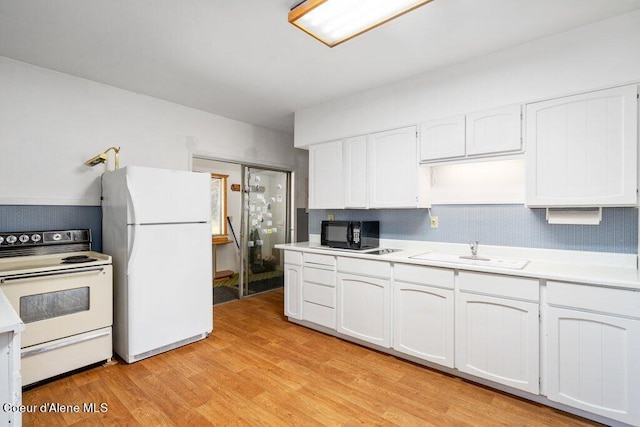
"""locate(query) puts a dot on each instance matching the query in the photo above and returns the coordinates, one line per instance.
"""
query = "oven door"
(61, 303)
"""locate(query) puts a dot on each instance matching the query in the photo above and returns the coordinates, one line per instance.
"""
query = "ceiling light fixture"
(336, 21)
(103, 157)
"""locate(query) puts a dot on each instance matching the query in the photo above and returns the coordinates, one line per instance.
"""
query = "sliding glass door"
(265, 223)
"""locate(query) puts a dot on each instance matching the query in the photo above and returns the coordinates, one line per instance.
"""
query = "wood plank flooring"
(256, 368)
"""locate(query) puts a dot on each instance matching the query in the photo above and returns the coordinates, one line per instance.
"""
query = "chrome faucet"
(474, 248)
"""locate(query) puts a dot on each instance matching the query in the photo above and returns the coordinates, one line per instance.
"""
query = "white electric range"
(63, 292)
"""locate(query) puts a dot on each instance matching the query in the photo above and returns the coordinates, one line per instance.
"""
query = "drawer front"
(319, 294)
(596, 298)
(365, 267)
(500, 286)
(293, 257)
(329, 260)
(440, 277)
(319, 314)
(320, 276)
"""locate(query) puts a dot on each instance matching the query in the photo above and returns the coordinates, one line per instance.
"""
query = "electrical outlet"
(434, 222)
(332, 217)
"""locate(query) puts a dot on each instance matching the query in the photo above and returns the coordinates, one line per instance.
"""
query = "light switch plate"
(434, 222)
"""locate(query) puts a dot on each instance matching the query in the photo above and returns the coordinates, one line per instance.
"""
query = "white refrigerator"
(156, 225)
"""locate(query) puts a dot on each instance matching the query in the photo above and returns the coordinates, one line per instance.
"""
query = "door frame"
(243, 163)
(289, 216)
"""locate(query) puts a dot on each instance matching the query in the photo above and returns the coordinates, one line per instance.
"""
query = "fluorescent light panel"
(336, 21)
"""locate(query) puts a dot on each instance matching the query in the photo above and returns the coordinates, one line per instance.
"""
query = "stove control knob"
(11, 239)
(57, 237)
(36, 238)
(1, 239)
(24, 238)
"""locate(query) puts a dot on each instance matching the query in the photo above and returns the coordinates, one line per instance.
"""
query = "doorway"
(266, 222)
(258, 204)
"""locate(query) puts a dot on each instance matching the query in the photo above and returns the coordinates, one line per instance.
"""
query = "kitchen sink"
(512, 263)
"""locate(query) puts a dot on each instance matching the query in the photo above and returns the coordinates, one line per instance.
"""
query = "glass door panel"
(265, 224)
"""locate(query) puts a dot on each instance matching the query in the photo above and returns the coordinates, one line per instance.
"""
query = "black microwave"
(357, 235)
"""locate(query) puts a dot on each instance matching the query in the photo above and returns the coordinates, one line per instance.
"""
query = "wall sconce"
(103, 157)
(336, 21)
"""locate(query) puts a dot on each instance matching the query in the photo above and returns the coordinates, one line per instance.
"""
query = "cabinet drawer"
(320, 276)
(365, 267)
(606, 300)
(420, 275)
(293, 257)
(310, 258)
(319, 294)
(500, 286)
(319, 314)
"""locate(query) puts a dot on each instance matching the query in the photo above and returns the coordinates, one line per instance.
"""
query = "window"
(219, 207)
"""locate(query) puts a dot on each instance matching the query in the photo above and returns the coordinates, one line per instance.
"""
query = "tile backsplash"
(37, 217)
(501, 225)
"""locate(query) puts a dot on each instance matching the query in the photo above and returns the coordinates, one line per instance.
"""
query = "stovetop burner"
(77, 259)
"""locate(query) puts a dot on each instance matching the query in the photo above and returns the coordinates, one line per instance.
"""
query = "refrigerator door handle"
(133, 247)
(131, 196)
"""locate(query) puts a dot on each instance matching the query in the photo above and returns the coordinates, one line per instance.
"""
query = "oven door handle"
(48, 274)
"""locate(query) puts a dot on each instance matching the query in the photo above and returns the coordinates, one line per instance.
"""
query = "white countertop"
(595, 268)
(9, 320)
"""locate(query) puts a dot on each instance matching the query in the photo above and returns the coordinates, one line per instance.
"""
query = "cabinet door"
(6, 376)
(293, 291)
(364, 308)
(592, 363)
(497, 339)
(442, 138)
(494, 131)
(423, 322)
(326, 182)
(393, 168)
(582, 150)
(355, 172)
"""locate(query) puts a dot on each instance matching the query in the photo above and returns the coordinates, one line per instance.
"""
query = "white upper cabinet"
(355, 172)
(492, 131)
(483, 133)
(582, 150)
(442, 138)
(380, 170)
(326, 182)
(395, 178)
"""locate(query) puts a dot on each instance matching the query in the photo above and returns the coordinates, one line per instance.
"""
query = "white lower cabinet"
(593, 350)
(497, 337)
(364, 302)
(319, 290)
(483, 324)
(423, 313)
(293, 284)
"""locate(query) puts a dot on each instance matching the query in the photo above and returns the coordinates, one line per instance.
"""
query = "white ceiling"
(241, 58)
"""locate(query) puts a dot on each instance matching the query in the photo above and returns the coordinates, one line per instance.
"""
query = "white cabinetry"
(482, 133)
(319, 289)
(364, 300)
(494, 131)
(326, 182)
(10, 379)
(355, 173)
(497, 327)
(593, 349)
(423, 313)
(395, 177)
(442, 138)
(293, 284)
(582, 150)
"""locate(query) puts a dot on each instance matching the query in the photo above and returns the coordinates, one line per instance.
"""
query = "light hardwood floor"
(258, 369)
